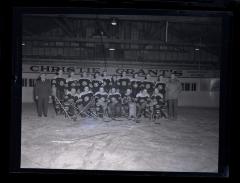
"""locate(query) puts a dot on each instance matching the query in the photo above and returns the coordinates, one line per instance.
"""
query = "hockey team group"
(111, 97)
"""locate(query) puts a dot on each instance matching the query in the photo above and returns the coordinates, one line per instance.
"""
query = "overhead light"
(196, 49)
(113, 22)
(111, 49)
(23, 44)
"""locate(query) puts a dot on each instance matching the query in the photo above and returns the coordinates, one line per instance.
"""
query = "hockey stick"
(62, 107)
(87, 107)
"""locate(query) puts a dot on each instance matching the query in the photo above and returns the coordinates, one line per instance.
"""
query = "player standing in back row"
(148, 83)
(123, 83)
(96, 82)
(58, 84)
(84, 81)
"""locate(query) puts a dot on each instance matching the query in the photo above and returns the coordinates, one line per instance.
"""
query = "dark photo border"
(16, 87)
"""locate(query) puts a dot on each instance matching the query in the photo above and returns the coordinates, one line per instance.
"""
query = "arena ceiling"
(151, 40)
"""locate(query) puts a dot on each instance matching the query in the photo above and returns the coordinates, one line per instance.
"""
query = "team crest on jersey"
(86, 98)
(84, 83)
(135, 85)
(160, 87)
(124, 83)
(95, 85)
(61, 83)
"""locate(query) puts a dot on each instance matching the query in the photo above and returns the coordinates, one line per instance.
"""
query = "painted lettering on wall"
(49, 69)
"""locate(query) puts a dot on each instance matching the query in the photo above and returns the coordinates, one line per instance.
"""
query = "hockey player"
(84, 81)
(59, 77)
(58, 97)
(123, 83)
(86, 96)
(115, 104)
(60, 84)
(71, 81)
(148, 83)
(160, 85)
(58, 87)
(106, 81)
(142, 99)
(129, 106)
(157, 104)
(70, 103)
(135, 84)
(101, 102)
(96, 82)
(113, 83)
(78, 101)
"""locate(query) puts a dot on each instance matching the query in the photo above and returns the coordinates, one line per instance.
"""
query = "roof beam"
(63, 27)
(106, 40)
(142, 18)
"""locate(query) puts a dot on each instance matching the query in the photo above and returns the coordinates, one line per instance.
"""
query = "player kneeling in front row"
(101, 102)
(143, 103)
(157, 105)
(70, 104)
(87, 102)
(114, 105)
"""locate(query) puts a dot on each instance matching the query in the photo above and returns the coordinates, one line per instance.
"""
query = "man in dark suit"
(43, 94)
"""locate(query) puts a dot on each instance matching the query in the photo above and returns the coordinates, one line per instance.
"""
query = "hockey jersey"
(101, 95)
(96, 84)
(135, 86)
(60, 82)
(60, 92)
(123, 84)
(113, 84)
(71, 83)
(158, 97)
(78, 100)
(70, 97)
(141, 98)
(83, 82)
(163, 86)
(127, 98)
(86, 97)
(149, 85)
(114, 95)
(106, 83)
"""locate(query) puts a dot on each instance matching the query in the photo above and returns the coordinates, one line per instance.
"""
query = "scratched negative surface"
(189, 144)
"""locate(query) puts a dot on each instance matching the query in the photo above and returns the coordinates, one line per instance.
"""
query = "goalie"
(86, 98)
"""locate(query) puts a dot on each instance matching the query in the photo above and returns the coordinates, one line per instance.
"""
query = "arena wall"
(200, 89)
